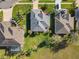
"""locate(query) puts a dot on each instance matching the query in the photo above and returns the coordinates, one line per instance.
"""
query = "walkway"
(35, 4)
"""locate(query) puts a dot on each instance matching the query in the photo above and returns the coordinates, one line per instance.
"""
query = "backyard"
(70, 52)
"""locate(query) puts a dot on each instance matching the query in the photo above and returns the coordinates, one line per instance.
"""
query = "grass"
(2, 52)
(68, 0)
(1, 16)
(43, 53)
(67, 6)
(23, 11)
(32, 42)
(49, 8)
(46, 0)
(70, 52)
(51, 1)
(26, 1)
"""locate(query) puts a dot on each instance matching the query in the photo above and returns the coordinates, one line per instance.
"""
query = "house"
(77, 17)
(11, 37)
(40, 21)
(64, 23)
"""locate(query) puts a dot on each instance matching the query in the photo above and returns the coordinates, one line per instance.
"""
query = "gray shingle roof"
(40, 21)
(62, 22)
(77, 14)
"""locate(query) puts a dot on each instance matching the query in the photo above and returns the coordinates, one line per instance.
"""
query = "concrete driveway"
(7, 14)
(35, 4)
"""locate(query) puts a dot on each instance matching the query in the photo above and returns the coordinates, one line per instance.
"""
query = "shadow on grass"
(52, 24)
(28, 26)
(54, 47)
(59, 46)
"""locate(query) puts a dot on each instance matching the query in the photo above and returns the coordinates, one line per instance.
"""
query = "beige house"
(11, 36)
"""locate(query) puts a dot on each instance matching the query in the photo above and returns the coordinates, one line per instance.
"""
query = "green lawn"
(26, 1)
(68, 0)
(23, 10)
(67, 6)
(1, 16)
(32, 42)
(49, 8)
(51, 1)
(70, 52)
(46, 0)
(2, 52)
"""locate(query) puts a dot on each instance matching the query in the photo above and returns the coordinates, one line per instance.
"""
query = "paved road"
(7, 3)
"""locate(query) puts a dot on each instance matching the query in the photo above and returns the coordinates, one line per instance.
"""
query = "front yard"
(20, 14)
(1, 16)
(51, 1)
(49, 8)
(24, 1)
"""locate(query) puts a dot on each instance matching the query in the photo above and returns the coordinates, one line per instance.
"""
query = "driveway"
(58, 2)
(35, 4)
(77, 2)
(7, 14)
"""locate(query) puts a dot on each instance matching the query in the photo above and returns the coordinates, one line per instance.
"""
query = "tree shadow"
(42, 44)
(59, 46)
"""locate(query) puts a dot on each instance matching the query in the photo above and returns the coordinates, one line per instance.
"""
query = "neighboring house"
(40, 21)
(77, 17)
(64, 23)
(11, 37)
